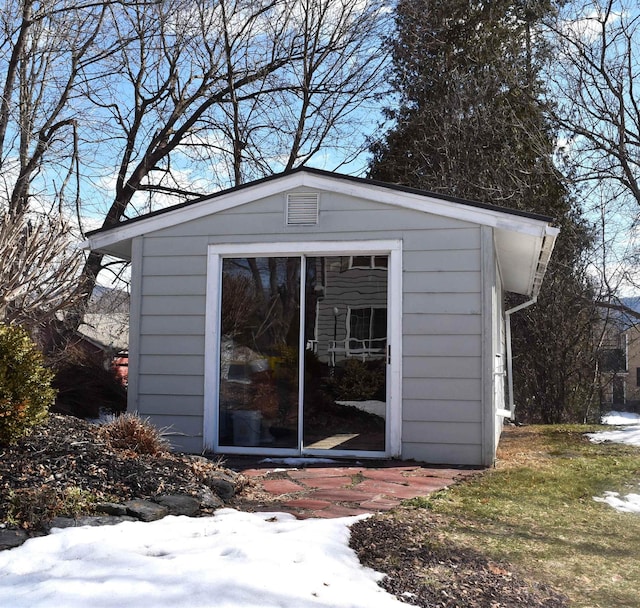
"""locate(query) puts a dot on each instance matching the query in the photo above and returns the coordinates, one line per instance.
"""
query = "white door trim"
(322, 248)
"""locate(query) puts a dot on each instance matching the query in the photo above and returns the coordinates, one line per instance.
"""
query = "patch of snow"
(230, 560)
(104, 417)
(629, 435)
(620, 418)
(627, 504)
(294, 462)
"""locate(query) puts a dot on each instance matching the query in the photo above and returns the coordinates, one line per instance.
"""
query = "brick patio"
(332, 490)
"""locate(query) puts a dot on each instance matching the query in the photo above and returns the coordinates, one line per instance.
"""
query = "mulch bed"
(66, 453)
(424, 572)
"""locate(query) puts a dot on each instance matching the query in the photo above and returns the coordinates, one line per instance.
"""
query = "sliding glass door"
(345, 388)
(259, 352)
(303, 346)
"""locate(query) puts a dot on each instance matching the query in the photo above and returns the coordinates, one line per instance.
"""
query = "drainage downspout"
(548, 243)
(509, 413)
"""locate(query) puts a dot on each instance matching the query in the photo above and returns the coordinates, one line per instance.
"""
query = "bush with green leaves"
(25, 384)
(359, 381)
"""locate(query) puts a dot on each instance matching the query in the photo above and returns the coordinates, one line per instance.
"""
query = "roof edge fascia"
(380, 192)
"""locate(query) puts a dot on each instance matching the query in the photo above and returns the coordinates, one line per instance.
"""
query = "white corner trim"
(135, 317)
(394, 304)
(488, 294)
(211, 352)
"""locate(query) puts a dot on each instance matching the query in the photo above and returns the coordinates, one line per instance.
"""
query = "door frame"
(215, 255)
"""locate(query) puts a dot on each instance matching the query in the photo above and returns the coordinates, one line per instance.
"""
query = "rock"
(111, 508)
(62, 522)
(179, 504)
(223, 485)
(209, 500)
(88, 520)
(145, 510)
(12, 538)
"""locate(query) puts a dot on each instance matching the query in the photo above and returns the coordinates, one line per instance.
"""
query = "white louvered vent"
(302, 209)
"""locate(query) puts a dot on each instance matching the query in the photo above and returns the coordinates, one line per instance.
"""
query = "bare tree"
(37, 268)
(595, 74)
(201, 96)
(107, 106)
(44, 49)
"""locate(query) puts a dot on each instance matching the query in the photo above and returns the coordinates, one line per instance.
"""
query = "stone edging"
(216, 490)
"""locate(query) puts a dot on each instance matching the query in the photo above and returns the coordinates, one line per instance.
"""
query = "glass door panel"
(345, 380)
(259, 352)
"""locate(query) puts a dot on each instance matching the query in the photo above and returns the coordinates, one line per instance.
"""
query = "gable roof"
(524, 241)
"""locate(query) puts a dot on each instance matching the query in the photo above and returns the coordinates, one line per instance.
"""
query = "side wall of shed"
(442, 316)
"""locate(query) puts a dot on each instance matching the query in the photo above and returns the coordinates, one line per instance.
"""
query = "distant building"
(619, 360)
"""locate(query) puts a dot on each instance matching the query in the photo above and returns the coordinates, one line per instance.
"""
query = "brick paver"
(396, 475)
(281, 486)
(428, 484)
(326, 483)
(340, 511)
(380, 504)
(316, 472)
(307, 504)
(355, 495)
(395, 490)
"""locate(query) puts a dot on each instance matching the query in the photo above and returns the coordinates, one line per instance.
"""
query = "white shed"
(320, 314)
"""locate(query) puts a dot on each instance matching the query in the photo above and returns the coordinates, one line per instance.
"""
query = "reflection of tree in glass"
(277, 303)
(238, 296)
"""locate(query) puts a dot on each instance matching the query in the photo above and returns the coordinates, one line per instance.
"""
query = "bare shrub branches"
(38, 268)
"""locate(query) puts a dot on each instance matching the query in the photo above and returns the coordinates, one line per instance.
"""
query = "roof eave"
(115, 240)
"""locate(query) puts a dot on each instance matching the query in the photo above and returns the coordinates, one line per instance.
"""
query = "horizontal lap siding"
(442, 346)
(441, 316)
(171, 366)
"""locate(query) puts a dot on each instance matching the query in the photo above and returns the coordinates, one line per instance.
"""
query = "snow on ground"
(230, 560)
(629, 435)
(628, 504)
(299, 461)
(617, 418)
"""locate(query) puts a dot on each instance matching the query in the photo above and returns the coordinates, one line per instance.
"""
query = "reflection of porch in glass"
(352, 348)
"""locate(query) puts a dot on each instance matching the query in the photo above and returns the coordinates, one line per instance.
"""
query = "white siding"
(442, 353)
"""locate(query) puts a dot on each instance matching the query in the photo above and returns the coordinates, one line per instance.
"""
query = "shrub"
(25, 384)
(359, 381)
(30, 508)
(130, 432)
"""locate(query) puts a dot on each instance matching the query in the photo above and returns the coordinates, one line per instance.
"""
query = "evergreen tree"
(470, 123)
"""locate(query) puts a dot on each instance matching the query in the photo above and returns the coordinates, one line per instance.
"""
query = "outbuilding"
(312, 313)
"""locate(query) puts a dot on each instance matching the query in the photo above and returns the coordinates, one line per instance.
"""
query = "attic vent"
(302, 209)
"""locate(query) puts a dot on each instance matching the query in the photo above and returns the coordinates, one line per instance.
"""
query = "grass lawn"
(536, 511)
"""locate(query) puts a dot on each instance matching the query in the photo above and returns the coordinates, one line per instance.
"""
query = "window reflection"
(345, 337)
(346, 341)
(260, 321)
